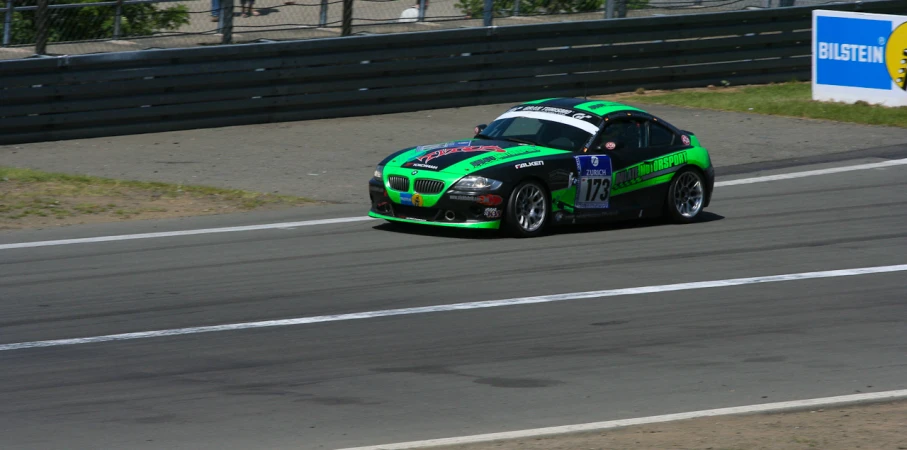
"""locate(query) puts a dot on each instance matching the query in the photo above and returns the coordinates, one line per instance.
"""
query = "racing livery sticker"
(492, 213)
(446, 144)
(529, 164)
(420, 165)
(411, 199)
(489, 200)
(594, 181)
(447, 151)
(649, 169)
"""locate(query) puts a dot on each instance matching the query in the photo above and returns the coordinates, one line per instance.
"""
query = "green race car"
(549, 162)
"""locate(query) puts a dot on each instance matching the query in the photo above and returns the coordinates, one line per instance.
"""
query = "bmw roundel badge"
(415, 172)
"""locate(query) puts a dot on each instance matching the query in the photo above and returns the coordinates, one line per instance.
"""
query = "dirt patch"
(32, 199)
(879, 426)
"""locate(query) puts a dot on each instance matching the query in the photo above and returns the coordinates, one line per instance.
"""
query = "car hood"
(465, 156)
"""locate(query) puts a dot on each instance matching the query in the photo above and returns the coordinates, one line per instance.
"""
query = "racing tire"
(528, 210)
(686, 196)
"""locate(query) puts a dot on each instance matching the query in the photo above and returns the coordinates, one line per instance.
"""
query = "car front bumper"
(455, 209)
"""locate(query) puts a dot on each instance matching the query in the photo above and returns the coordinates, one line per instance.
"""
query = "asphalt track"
(445, 374)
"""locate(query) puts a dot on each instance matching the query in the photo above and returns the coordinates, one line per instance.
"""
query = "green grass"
(26, 192)
(792, 99)
(49, 184)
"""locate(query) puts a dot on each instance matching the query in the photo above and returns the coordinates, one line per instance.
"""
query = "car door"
(622, 141)
(636, 142)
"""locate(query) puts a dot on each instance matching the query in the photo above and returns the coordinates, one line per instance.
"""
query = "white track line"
(272, 226)
(812, 173)
(457, 307)
(126, 237)
(597, 426)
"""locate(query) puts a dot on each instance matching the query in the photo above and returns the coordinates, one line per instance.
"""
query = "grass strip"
(793, 99)
(31, 194)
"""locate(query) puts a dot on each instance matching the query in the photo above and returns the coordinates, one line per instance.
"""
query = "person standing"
(248, 12)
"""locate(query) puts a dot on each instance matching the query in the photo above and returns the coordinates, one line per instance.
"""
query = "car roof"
(596, 107)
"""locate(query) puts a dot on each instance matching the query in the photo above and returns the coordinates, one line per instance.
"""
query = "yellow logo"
(896, 56)
(417, 200)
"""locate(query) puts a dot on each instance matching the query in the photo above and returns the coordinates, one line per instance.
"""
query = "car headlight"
(477, 184)
(379, 171)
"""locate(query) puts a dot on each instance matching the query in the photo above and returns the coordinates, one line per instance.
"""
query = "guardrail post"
(421, 11)
(41, 25)
(226, 20)
(346, 27)
(516, 7)
(621, 8)
(8, 22)
(609, 9)
(487, 16)
(323, 14)
(117, 16)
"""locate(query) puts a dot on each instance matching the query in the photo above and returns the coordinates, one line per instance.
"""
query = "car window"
(661, 136)
(627, 132)
(542, 132)
(522, 126)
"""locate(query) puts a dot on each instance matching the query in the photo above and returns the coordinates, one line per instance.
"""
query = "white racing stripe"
(597, 426)
(812, 173)
(126, 237)
(566, 120)
(271, 226)
(458, 307)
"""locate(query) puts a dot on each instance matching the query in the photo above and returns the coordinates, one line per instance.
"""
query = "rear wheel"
(528, 210)
(685, 196)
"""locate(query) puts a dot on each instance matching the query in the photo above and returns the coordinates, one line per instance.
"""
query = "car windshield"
(536, 131)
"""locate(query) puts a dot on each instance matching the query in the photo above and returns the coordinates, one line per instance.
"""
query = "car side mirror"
(481, 128)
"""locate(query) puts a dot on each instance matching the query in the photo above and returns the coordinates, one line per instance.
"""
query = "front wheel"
(685, 196)
(528, 210)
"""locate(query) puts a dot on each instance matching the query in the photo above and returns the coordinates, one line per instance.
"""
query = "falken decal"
(529, 164)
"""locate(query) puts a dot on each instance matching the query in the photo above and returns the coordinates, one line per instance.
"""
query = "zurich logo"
(595, 161)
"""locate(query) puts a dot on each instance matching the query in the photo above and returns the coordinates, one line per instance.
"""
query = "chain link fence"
(32, 28)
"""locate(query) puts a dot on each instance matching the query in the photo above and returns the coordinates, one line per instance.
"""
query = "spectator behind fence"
(411, 14)
(215, 10)
(249, 12)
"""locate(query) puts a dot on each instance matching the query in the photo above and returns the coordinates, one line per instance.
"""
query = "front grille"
(398, 183)
(424, 186)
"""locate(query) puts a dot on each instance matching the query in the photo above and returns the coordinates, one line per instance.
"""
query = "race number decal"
(593, 188)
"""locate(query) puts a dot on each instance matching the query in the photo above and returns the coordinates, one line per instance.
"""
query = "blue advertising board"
(859, 56)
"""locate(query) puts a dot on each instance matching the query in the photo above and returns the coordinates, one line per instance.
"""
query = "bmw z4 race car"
(549, 162)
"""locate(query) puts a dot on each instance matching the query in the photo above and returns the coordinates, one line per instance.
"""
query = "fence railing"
(136, 92)
(71, 27)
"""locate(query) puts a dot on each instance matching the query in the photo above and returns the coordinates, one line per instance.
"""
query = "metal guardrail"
(136, 92)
